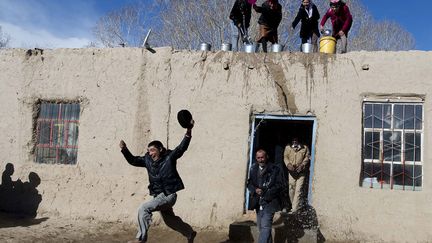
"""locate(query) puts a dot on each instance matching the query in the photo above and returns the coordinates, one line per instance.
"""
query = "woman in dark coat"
(308, 15)
(240, 15)
(271, 16)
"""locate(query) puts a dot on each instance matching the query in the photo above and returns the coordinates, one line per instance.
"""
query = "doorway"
(273, 132)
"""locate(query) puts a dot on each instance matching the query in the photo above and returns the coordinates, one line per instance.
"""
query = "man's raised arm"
(183, 146)
(133, 160)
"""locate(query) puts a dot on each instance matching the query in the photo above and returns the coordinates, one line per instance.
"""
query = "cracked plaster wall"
(134, 95)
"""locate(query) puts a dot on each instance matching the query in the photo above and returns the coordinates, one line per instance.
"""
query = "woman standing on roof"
(309, 16)
(271, 16)
(240, 15)
(341, 19)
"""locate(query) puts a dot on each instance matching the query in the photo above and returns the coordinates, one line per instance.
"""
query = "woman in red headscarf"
(341, 19)
(271, 16)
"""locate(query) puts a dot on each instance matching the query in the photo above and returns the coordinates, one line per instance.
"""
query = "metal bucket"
(307, 48)
(276, 48)
(327, 32)
(251, 48)
(226, 47)
(205, 47)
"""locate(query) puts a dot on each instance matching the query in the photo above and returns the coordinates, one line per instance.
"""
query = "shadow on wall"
(19, 200)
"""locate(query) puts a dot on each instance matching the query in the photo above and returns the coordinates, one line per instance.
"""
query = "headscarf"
(274, 4)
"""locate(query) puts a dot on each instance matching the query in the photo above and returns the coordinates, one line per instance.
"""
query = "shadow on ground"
(19, 200)
(12, 220)
(287, 228)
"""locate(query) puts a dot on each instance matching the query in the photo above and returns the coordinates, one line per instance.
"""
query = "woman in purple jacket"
(341, 19)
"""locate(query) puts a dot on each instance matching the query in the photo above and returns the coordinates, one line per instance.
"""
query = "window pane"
(418, 174)
(367, 116)
(72, 134)
(62, 111)
(39, 154)
(372, 170)
(412, 147)
(67, 110)
(409, 117)
(376, 174)
(70, 157)
(392, 146)
(63, 156)
(403, 175)
(408, 175)
(418, 117)
(75, 109)
(377, 116)
(71, 111)
(58, 133)
(44, 132)
(398, 117)
(43, 113)
(372, 145)
(48, 156)
(387, 116)
(53, 111)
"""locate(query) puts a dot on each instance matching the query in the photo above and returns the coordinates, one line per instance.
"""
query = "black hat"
(184, 117)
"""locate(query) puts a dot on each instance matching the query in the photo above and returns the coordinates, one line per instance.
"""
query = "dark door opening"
(273, 133)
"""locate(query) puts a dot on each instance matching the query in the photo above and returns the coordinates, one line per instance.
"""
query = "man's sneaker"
(192, 237)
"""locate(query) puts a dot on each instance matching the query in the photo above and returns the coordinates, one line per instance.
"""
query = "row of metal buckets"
(248, 48)
(327, 44)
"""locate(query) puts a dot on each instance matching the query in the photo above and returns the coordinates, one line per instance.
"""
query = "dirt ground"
(13, 229)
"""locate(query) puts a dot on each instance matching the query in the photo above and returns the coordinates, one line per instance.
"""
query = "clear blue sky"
(68, 23)
(413, 15)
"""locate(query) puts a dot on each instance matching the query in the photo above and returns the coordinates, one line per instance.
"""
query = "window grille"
(57, 133)
(392, 145)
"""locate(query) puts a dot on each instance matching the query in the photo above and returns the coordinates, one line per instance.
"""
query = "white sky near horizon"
(50, 23)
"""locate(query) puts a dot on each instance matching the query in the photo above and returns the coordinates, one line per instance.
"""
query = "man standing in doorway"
(296, 158)
(161, 165)
(265, 186)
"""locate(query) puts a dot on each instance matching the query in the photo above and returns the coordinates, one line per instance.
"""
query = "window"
(57, 133)
(392, 145)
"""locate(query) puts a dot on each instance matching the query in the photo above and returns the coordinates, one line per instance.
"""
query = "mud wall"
(134, 95)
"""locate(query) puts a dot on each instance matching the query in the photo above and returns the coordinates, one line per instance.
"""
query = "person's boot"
(191, 238)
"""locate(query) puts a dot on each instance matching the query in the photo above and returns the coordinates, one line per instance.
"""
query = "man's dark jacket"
(272, 184)
(163, 175)
(269, 17)
(309, 25)
(240, 8)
